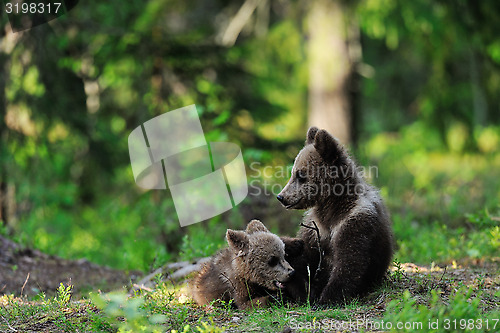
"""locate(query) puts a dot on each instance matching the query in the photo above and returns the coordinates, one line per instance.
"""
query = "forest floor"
(27, 272)
(34, 300)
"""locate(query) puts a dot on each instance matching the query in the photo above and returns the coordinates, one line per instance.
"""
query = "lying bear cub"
(251, 271)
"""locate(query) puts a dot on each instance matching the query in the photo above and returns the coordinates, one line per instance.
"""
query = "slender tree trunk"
(330, 69)
(4, 216)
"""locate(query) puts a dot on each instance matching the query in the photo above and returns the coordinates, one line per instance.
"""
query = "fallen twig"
(172, 272)
(24, 285)
(8, 325)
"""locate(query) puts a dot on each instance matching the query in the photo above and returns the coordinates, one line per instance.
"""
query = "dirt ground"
(29, 272)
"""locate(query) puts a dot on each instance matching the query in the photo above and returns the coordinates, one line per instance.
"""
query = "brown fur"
(251, 270)
(296, 289)
(354, 226)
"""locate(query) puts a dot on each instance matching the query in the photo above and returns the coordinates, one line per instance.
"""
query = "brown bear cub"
(297, 288)
(355, 242)
(251, 271)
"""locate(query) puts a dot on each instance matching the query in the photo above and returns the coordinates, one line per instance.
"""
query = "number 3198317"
(32, 8)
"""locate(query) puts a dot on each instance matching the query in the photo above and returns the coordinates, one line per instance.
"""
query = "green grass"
(406, 297)
(461, 312)
(479, 239)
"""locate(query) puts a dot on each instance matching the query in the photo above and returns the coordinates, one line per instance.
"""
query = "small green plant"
(483, 219)
(127, 313)
(186, 329)
(204, 328)
(63, 294)
(209, 328)
(226, 307)
(480, 281)
(399, 273)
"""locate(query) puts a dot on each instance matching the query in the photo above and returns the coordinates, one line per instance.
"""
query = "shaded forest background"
(412, 87)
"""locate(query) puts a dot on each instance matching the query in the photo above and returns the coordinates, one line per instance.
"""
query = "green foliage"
(199, 242)
(420, 242)
(432, 61)
(63, 294)
(127, 314)
(108, 233)
(73, 96)
(417, 174)
(398, 274)
(461, 312)
(204, 328)
(73, 90)
(444, 204)
(166, 308)
(278, 316)
(58, 313)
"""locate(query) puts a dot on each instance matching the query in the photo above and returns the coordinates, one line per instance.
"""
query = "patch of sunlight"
(456, 137)
(392, 38)
(7, 300)
(41, 239)
(183, 299)
(488, 140)
(380, 144)
(16, 74)
(180, 292)
(288, 126)
(466, 166)
(417, 164)
(31, 83)
(435, 268)
(117, 125)
(82, 241)
(495, 237)
(289, 39)
(473, 253)
(494, 50)
(245, 120)
(418, 136)
(384, 192)
(58, 132)
(18, 119)
(184, 294)
(125, 96)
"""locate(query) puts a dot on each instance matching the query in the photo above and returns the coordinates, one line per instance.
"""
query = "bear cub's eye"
(273, 261)
(301, 176)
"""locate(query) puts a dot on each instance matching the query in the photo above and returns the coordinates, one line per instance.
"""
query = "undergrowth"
(416, 299)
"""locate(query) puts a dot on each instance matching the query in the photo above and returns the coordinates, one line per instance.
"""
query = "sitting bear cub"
(250, 271)
(348, 216)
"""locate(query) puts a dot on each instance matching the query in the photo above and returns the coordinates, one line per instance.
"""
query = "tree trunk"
(330, 69)
(4, 218)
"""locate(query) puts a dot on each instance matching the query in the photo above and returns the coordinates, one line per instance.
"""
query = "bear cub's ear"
(294, 247)
(238, 241)
(255, 226)
(311, 133)
(327, 146)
